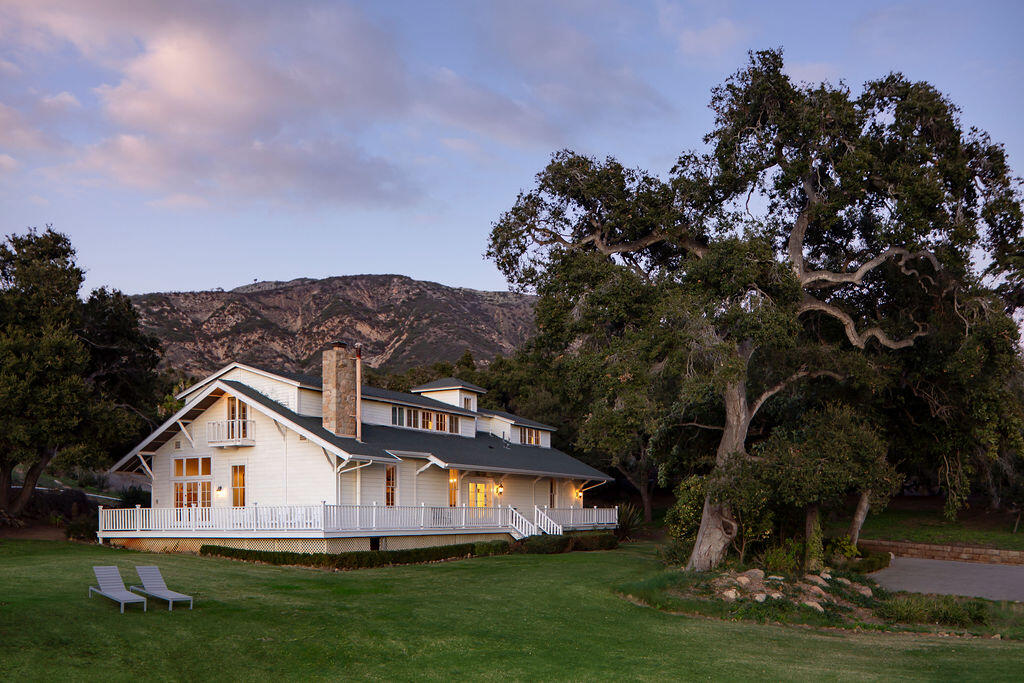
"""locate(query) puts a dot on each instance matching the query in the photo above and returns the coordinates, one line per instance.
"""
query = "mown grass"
(547, 617)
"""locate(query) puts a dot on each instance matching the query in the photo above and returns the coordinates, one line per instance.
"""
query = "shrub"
(68, 503)
(486, 548)
(630, 520)
(785, 558)
(946, 610)
(358, 559)
(872, 562)
(548, 544)
(83, 527)
(683, 519)
(840, 550)
(676, 553)
(135, 495)
(600, 541)
(87, 478)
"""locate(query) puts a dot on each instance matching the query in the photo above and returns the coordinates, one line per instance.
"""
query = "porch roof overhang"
(311, 428)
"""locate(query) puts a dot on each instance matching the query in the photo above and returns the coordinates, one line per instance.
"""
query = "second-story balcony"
(223, 433)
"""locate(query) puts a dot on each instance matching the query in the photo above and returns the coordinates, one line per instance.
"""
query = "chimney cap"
(339, 345)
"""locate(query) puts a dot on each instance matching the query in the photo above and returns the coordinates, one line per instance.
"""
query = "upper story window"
(529, 436)
(424, 419)
(467, 403)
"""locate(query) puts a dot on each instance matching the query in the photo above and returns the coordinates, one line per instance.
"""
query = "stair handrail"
(545, 523)
(521, 524)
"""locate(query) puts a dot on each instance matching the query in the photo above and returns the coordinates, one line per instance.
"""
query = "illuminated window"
(479, 494)
(390, 484)
(197, 489)
(238, 416)
(428, 419)
(238, 485)
(530, 437)
(453, 488)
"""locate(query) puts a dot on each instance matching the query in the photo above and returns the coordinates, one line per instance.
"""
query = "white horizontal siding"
(310, 403)
(282, 392)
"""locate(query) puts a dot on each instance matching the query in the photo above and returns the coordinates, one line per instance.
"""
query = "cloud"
(9, 68)
(61, 101)
(813, 72)
(696, 38)
(8, 163)
(180, 201)
(17, 133)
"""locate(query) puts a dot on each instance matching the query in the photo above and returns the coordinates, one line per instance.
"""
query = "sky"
(194, 145)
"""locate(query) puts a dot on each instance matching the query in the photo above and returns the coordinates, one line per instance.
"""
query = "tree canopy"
(818, 231)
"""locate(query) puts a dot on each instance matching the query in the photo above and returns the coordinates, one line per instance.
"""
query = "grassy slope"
(929, 526)
(536, 617)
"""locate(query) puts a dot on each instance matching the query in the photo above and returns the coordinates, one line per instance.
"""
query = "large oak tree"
(814, 216)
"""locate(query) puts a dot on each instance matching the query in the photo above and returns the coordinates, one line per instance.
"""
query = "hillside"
(400, 322)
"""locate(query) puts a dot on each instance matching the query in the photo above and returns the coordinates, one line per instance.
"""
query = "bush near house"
(362, 559)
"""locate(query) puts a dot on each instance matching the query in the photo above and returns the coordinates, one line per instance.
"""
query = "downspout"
(359, 392)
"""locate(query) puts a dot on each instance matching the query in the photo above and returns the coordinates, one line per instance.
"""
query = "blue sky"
(193, 145)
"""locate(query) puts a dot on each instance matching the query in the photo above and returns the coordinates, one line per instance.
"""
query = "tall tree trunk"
(645, 499)
(859, 515)
(717, 525)
(5, 486)
(812, 539)
(17, 505)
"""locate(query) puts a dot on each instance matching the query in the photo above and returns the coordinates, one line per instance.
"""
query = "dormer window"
(529, 436)
(467, 403)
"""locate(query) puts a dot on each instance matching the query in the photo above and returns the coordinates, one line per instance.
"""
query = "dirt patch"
(38, 532)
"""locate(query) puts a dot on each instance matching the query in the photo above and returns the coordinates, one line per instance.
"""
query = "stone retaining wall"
(930, 551)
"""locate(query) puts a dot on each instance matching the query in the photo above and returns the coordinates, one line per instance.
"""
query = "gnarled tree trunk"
(717, 525)
(18, 502)
(861, 513)
(812, 539)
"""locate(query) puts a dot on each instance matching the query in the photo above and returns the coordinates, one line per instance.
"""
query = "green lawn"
(975, 528)
(517, 616)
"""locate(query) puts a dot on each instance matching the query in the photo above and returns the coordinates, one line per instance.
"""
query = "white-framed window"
(529, 436)
(398, 416)
(238, 486)
(192, 482)
(479, 493)
(467, 403)
(390, 485)
(238, 416)
(453, 424)
(453, 488)
(414, 419)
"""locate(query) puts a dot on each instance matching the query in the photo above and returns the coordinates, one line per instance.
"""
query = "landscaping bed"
(842, 599)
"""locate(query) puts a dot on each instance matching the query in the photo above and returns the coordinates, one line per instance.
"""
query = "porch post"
(138, 517)
(423, 512)
(373, 522)
(323, 515)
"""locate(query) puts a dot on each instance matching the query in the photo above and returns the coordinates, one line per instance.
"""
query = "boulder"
(825, 575)
(844, 581)
(775, 595)
(730, 595)
(814, 605)
(743, 580)
(863, 590)
(754, 574)
(816, 590)
(760, 597)
(814, 578)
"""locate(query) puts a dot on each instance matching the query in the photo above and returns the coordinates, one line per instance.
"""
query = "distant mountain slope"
(400, 322)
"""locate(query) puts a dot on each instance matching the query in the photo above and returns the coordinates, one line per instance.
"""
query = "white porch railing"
(576, 518)
(231, 433)
(545, 523)
(521, 525)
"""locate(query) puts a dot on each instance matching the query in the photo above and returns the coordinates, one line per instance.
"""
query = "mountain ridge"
(401, 322)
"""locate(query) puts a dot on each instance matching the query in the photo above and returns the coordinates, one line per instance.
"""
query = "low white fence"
(230, 431)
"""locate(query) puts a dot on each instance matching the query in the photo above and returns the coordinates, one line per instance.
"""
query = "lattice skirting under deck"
(299, 545)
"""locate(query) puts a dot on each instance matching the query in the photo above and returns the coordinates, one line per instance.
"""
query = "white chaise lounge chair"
(154, 586)
(112, 587)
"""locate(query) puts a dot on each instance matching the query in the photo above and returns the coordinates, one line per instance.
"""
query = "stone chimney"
(342, 393)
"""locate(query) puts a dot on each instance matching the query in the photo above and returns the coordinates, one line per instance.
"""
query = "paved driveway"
(992, 581)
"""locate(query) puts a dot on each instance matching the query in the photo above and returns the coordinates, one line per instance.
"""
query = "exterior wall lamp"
(499, 489)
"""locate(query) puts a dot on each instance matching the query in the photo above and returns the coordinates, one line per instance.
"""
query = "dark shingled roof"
(449, 383)
(516, 420)
(485, 452)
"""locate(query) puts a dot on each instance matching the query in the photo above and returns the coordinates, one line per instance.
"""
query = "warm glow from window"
(238, 485)
(390, 484)
(453, 489)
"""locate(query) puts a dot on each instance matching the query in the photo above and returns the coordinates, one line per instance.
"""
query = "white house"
(277, 461)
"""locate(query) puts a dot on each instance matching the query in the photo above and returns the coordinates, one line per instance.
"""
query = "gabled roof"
(413, 400)
(310, 427)
(515, 419)
(485, 453)
(448, 383)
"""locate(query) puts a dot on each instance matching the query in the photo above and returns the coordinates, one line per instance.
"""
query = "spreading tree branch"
(860, 339)
(776, 388)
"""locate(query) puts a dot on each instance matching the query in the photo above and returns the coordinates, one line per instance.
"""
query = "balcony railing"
(230, 433)
(583, 518)
(312, 520)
